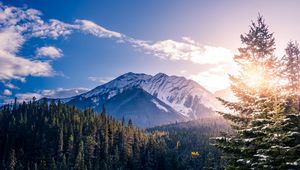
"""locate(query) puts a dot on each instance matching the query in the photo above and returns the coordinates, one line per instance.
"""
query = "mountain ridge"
(162, 94)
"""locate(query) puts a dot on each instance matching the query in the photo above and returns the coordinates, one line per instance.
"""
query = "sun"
(255, 77)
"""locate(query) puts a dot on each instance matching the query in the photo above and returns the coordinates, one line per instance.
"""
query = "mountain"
(133, 103)
(150, 100)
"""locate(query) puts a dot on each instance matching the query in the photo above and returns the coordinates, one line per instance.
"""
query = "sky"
(54, 48)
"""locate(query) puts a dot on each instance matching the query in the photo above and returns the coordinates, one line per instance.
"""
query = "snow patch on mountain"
(181, 94)
(118, 85)
(185, 96)
(159, 105)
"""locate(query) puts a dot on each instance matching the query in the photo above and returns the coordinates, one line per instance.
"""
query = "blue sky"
(90, 42)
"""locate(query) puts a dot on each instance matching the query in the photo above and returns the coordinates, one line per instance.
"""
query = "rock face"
(150, 100)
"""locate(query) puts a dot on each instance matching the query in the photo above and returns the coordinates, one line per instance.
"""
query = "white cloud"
(10, 40)
(10, 85)
(188, 50)
(17, 25)
(216, 77)
(212, 55)
(100, 79)
(63, 93)
(30, 24)
(97, 30)
(49, 93)
(14, 67)
(183, 71)
(25, 97)
(7, 92)
(211, 81)
(220, 59)
(53, 29)
(49, 51)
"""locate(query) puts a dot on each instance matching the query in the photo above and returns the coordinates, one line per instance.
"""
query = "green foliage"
(194, 136)
(39, 135)
(266, 118)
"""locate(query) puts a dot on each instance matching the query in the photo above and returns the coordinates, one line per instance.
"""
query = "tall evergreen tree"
(283, 131)
(79, 160)
(255, 88)
(291, 72)
(12, 161)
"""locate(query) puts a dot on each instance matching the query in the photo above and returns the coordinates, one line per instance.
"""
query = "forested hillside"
(39, 135)
(191, 142)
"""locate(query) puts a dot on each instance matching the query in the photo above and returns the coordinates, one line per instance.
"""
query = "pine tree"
(79, 160)
(136, 152)
(12, 160)
(283, 140)
(209, 162)
(89, 150)
(70, 152)
(63, 163)
(53, 164)
(254, 87)
(291, 72)
(283, 132)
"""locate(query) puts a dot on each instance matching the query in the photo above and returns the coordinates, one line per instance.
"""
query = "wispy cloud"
(49, 93)
(9, 85)
(49, 51)
(7, 92)
(97, 30)
(16, 67)
(220, 59)
(100, 80)
(25, 97)
(187, 50)
(63, 93)
(216, 77)
(18, 25)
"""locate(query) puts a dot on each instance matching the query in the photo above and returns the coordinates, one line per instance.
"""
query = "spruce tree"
(79, 160)
(254, 87)
(283, 133)
(12, 160)
(291, 72)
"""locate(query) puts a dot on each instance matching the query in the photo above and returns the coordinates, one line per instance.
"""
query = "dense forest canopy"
(39, 135)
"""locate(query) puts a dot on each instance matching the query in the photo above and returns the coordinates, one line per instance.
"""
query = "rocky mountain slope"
(150, 100)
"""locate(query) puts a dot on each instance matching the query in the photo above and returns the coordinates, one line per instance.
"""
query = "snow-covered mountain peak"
(159, 75)
(118, 85)
(131, 76)
(185, 96)
(128, 79)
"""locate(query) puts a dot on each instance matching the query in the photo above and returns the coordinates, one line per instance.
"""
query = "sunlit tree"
(265, 120)
(256, 88)
(291, 73)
